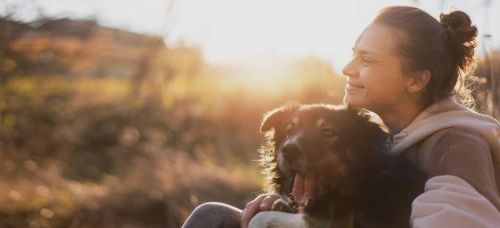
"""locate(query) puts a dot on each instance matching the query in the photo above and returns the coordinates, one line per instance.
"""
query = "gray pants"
(213, 215)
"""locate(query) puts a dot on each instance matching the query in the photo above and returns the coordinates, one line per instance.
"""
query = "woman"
(409, 68)
(406, 68)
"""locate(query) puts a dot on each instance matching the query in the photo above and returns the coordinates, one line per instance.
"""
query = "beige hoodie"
(450, 201)
(445, 114)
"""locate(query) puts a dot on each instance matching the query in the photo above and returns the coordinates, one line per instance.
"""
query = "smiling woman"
(412, 75)
(374, 57)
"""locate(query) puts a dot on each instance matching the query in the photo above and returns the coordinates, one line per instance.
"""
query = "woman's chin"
(352, 101)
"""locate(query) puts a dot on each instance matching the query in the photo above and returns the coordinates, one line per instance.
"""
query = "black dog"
(332, 164)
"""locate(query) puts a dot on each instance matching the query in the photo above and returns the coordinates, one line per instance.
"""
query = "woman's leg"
(213, 215)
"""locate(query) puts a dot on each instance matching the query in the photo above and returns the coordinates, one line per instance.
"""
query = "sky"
(235, 31)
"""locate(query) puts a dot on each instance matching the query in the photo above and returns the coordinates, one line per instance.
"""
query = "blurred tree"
(318, 82)
(488, 73)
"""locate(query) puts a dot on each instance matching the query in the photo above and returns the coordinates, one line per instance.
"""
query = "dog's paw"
(285, 205)
(275, 219)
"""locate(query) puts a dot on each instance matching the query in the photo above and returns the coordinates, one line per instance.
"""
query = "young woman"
(410, 68)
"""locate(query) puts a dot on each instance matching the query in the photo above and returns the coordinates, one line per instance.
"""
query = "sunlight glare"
(262, 77)
(232, 31)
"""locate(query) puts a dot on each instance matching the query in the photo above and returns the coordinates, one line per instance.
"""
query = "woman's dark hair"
(444, 47)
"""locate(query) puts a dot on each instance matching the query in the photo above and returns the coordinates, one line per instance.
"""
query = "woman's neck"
(400, 117)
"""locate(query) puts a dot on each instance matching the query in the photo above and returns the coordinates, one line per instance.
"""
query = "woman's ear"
(418, 81)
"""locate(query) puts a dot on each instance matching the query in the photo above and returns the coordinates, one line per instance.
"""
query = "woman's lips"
(353, 87)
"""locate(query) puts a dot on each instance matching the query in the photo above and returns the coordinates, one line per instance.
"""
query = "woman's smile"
(381, 82)
(352, 87)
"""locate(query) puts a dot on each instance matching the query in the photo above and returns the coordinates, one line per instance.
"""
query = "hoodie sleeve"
(449, 201)
(461, 190)
(464, 154)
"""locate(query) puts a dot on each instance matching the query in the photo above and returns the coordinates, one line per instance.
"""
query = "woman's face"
(375, 77)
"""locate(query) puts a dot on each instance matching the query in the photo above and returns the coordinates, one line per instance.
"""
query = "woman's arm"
(449, 201)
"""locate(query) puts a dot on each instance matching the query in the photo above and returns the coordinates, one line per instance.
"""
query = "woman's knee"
(214, 214)
(208, 208)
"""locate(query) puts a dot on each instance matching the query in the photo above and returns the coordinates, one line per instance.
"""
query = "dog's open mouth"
(303, 187)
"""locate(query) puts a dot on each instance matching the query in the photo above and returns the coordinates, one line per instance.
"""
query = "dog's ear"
(373, 123)
(365, 115)
(273, 118)
(361, 113)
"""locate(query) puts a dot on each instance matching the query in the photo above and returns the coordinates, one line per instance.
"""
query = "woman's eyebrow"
(364, 52)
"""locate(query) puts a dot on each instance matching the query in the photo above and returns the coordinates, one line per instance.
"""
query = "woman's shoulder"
(455, 135)
(457, 143)
(454, 144)
(458, 132)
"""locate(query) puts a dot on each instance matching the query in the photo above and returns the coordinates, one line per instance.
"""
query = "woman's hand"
(263, 202)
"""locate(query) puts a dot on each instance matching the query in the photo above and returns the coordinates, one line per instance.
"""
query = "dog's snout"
(292, 150)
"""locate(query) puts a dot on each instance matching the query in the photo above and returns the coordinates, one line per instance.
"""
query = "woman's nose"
(349, 69)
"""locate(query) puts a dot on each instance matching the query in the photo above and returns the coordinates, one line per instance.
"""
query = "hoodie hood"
(445, 114)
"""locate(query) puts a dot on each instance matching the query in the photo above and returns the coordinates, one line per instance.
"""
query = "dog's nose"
(292, 150)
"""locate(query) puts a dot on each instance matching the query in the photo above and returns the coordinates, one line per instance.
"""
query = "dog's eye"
(328, 133)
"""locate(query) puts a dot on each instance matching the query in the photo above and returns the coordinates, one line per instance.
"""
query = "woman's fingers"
(267, 202)
(250, 210)
(263, 202)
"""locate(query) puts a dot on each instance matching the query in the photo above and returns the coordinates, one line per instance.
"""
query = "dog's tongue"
(303, 187)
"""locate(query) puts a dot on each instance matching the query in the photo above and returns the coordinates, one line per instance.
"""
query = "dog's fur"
(359, 184)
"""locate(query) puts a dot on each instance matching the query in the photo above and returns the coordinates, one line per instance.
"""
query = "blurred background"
(130, 113)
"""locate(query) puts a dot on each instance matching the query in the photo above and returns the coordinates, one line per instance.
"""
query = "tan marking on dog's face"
(289, 128)
(293, 125)
(296, 121)
(320, 123)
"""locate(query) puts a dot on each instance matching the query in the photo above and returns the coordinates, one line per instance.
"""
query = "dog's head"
(316, 152)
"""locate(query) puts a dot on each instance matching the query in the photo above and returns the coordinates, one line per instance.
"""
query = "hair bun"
(460, 24)
(462, 35)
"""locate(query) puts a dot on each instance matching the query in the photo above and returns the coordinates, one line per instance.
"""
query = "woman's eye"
(366, 60)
